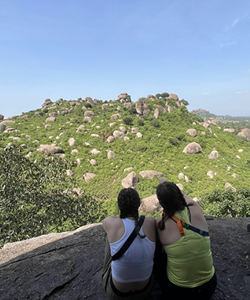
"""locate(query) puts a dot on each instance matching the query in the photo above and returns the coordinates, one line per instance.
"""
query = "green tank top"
(190, 261)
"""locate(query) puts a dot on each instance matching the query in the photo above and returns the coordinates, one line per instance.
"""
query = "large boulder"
(115, 116)
(130, 181)
(50, 149)
(71, 142)
(88, 176)
(149, 205)
(110, 139)
(2, 127)
(88, 119)
(88, 113)
(1, 117)
(245, 133)
(213, 155)
(111, 154)
(118, 134)
(192, 148)
(156, 113)
(173, 96)
(7, 122)
(142, 107)
(150, 174)
(192, 132)
(229, 130)
(50, 119)
(68, 265)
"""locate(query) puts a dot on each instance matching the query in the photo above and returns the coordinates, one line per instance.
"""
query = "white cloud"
(227, 44)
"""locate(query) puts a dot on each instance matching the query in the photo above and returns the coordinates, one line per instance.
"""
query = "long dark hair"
(128, 203)
(171, 199)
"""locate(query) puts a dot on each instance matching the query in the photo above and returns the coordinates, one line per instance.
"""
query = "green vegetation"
(33, 200)
(38, 198)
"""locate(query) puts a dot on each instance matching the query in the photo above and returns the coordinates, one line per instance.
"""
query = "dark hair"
(128, 203)
(171, 199)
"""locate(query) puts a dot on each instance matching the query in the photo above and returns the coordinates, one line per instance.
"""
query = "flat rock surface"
(69, 265)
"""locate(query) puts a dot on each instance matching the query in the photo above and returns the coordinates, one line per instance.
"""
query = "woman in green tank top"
(190, 271)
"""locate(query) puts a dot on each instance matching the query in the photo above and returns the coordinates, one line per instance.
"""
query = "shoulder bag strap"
(129, 241)
(182, 224)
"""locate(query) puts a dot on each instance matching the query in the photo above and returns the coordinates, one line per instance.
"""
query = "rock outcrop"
(68, 265)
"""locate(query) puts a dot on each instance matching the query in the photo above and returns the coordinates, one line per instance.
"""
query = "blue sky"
(199, 50)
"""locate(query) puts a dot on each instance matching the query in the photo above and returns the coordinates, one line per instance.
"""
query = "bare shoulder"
(110, 220)
(150, 220)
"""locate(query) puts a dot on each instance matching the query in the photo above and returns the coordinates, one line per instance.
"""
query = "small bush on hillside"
(87, 105)
(140, 122)
(173, 141)
(227, 203)
(128, 121)
(37, 198)
(155, 123)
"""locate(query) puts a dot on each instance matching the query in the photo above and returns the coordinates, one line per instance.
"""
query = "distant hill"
(206, 115)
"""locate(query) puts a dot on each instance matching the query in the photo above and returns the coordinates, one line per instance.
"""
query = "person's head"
(170, 198)
(128, 203)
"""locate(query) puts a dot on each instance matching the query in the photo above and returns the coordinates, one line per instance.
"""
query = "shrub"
(227, 203)
(128, 121)
(173, 141)
(140, 122)
(87, 105)
(155, 123)
(34, 200)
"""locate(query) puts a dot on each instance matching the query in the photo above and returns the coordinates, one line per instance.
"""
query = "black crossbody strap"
(129, 241)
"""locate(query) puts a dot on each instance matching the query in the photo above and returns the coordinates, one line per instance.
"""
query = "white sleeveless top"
(136, 264)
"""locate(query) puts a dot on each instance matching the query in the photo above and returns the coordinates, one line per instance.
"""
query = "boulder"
(213, 155)
(74, 151)
(142, 108)
(134, 130)
(7, 122)
(170, 108)
(88, 176)
(192, 148)
(181, 176)
(69, 173)
(138, 135)
(111, 154)
(24, 117)
(93, 162)
(130, 181)
(88, 119)
(173, 96)
(105, 107)
(192, 132)
(149, 205)
(68, 265)
(118, 134)
(127, 104)
(123, 129)
(210, 174)
(229, 186)
(156, 113)
(50, 149)
(95, 151)
(2, 127)
(110, 139)
(112, 124)
(50, 119)
(245, 133)
(115, 116)
(71, 142)
(150, 174)
(229, 130)
(126, 138)
(81, 127)
(88, 113)
(1, 117)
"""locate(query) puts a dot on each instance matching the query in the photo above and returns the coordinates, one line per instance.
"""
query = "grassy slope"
(150, 152)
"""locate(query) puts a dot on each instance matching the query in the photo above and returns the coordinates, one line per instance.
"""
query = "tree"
(184, 102)
(37, 198)
(158, 96)
(165, 95)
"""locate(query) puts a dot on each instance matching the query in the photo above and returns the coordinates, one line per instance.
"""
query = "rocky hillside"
(69, 265)
(118, 143)
(206, 115)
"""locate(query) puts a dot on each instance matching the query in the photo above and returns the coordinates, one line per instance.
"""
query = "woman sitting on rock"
(190, 270)
(130, 276)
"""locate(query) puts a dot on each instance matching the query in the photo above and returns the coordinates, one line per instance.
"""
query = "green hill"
(160, 148)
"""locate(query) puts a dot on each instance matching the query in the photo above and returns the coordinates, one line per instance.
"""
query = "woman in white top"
(131, 275)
